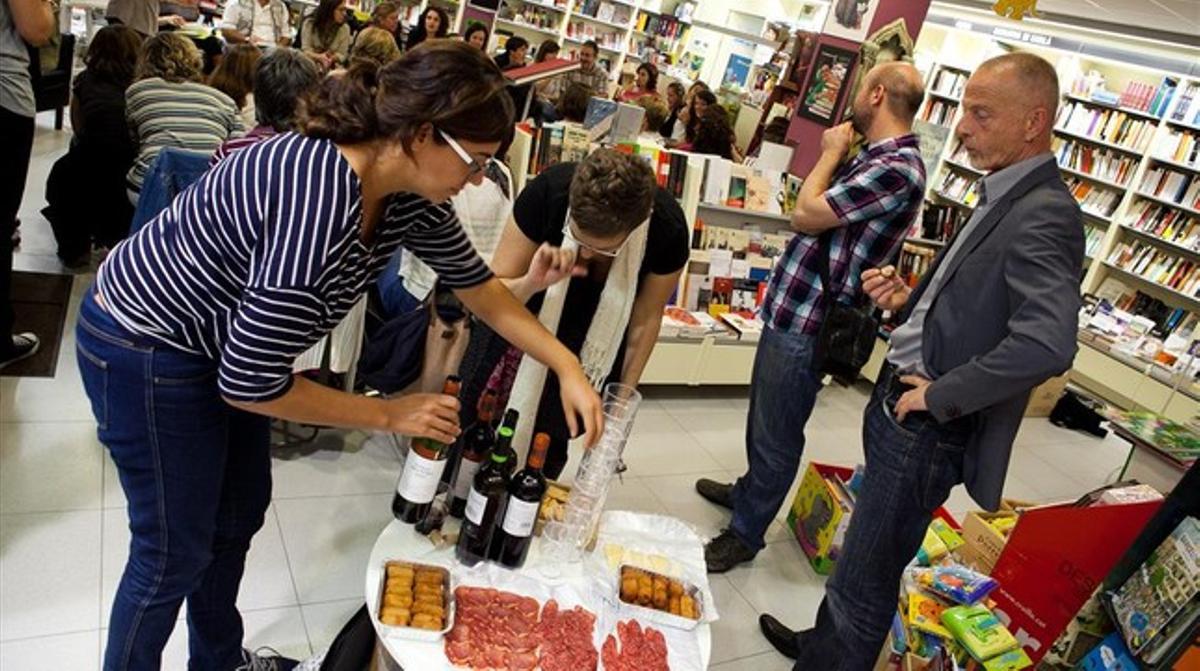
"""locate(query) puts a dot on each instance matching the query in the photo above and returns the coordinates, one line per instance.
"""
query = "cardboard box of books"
(984, 536)
(1053, 561)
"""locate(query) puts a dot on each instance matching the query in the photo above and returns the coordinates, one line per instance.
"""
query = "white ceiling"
(1177, 20)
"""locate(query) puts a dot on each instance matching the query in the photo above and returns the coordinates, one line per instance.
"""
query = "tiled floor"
(63, 533)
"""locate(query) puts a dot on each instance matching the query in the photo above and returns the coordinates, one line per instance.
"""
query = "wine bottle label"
(476, 504)
(419, 482)
(466, 475)
(520, 516)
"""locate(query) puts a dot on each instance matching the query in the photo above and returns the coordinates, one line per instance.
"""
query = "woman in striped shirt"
(186, 343)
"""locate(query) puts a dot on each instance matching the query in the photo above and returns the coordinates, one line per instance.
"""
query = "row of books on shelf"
(661, 26)
(557, 143)
(747, 187)
(1106, 164)
(1155, 265)
(960, 156)
(914, 262)
(1179, 146)
(1108, 125)
(938, 111)
(1159, 319)
(1188, 109)
(748, 244)
(741, 325)
(1172, 185)
(1149, 98)
(938, 223)
(1168, 223)
(604, 11)
(949, 82)
(959, 188)
(1093, 198)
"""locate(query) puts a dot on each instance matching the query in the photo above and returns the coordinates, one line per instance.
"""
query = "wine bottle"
(422, 472)
(504, 439)
(485, 505)
(475, 447)
(525, 492)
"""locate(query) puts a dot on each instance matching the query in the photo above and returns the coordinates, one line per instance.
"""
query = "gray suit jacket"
(1004, 321)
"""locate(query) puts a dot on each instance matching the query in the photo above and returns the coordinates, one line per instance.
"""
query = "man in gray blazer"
(994, 317)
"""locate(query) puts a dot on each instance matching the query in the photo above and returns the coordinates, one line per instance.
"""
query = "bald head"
(1030, 78)
(903, 88)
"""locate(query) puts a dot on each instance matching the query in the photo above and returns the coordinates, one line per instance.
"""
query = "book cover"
(758, 193)
(1161, 587)
(599, 118)
(737, 186)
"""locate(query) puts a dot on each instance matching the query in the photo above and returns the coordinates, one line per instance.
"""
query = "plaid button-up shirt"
(875, 196)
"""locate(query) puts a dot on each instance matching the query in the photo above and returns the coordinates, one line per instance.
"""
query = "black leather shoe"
(716, 492)
(783, 639)
(725, 552)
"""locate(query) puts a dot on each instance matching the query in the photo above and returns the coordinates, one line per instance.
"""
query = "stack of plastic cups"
(564, 541)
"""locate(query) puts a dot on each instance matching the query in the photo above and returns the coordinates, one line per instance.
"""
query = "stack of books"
(1107, 125)
(1106, 164)
(1168, 223)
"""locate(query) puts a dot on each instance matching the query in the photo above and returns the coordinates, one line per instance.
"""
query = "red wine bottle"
(525, 492)
(476, 444)
(504, 440)
(485, 505)
(422, 472)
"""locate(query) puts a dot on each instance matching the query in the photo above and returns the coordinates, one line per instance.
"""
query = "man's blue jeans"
(197, 476)
(910, 469)
(783, 391)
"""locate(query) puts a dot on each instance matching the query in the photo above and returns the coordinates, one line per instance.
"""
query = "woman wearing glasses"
(623, 242)
(187, 340)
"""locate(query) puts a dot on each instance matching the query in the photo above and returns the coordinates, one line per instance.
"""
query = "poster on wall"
(850, 19)
(737, 71)
(827, 87)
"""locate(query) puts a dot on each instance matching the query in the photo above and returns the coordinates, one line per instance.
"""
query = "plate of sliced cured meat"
(495, 629)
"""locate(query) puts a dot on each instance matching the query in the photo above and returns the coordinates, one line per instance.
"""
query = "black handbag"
(847, 335)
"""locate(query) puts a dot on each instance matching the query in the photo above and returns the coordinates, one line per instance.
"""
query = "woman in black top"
(514, 53)
(433, 23)
(85, 191)
(675, 104)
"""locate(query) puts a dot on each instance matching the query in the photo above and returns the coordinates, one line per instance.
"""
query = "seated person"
(714, 135)
(476, 35)
(655, 115)
(85, 192)
(376, 45)
(620, 242)
(263, 23)
(675, 105)
(324, 36)
(283, 81)
(515, 50)
(572, 105)
(689, 117)
(433, 23)
(646, 84)
(590, 73)
(168, 106)
(235, 78)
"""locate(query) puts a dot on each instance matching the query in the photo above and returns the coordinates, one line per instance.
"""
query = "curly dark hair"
(651, 75)
(234, 76)
(447, 83)
(418, 34)
(112, 54)
(323, 19)
(476, 27)
(545, 50)
(714, 135)
(611, 193)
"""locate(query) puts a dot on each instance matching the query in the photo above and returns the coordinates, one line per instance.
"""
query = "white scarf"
(604, 336)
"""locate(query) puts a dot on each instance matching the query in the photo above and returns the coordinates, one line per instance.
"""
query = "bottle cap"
(499, 457)
(505, 432)
(537, 456)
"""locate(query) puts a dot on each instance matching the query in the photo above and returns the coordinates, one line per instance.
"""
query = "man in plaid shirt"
(863, 209)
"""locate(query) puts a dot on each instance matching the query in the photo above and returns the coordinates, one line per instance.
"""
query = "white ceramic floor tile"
(767, 661)
(325, 620)
(1049, 483)
(678, 494)
(265, 584)
(36, 399)
(780, 581)
(736, 633)
(49, 466)
(278, 628)
(49, 573)
(660, 446)
(76, 652)
(633, 494)
(329, 540)
(337, 463)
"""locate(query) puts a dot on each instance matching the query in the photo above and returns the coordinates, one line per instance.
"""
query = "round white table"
(401, 541)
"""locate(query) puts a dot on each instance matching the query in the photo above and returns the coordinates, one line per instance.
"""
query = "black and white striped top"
(262, 256)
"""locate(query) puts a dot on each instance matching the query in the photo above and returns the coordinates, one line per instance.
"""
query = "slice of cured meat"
(566, 639)
(635, 649)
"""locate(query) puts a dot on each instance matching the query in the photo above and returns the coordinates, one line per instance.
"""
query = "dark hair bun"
(343, 107)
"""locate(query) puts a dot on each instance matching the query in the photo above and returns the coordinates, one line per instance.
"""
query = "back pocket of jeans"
(94, 372)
